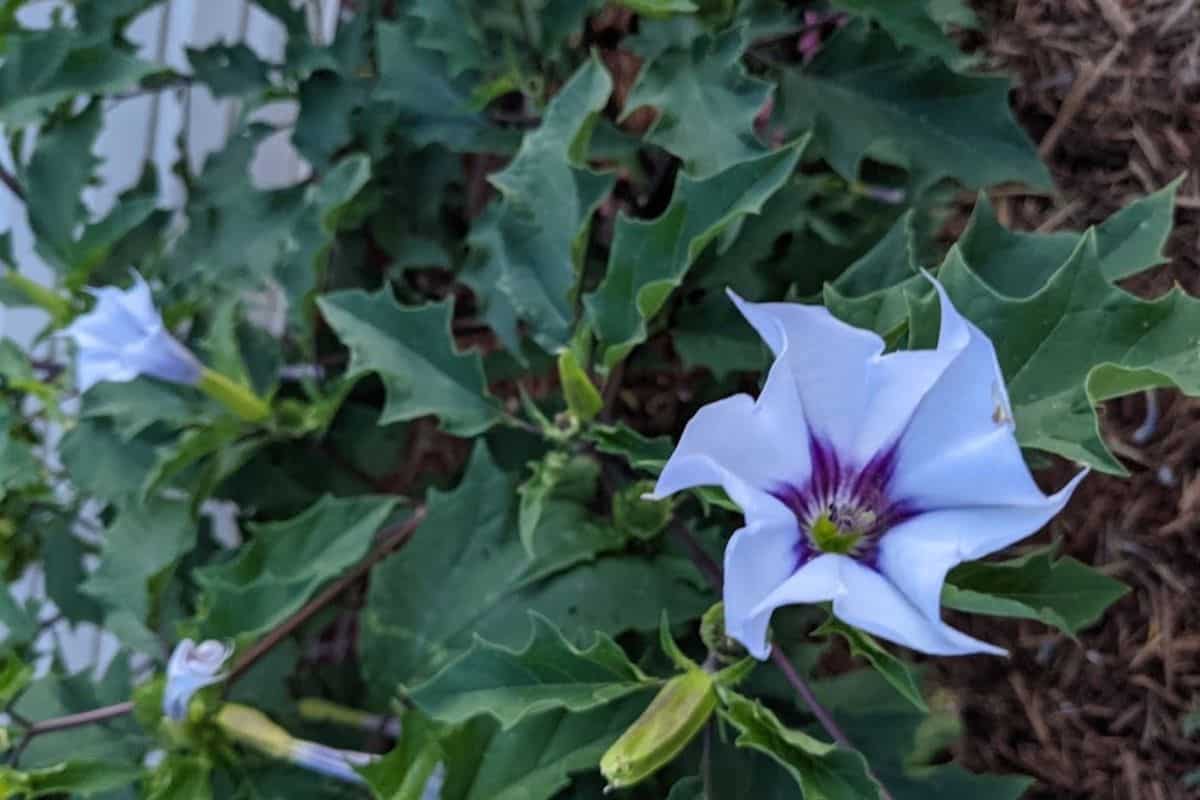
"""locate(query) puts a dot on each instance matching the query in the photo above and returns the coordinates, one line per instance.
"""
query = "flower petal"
(99, 367)
(959, 449)
(865, 599)
(916, 554)
(831, 362)
(815, 582)
(123, 336)
(871, 602)
(898, 381)
(119, 320)
(161, 356)
(746, 446)
(758, 559)
(138, 301)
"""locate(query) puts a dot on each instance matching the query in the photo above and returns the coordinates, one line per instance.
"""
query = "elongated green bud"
(676, 715)
(234, 396)
(583, 399)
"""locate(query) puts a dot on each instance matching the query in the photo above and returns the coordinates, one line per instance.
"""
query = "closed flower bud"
(252, 728)
(673, 718)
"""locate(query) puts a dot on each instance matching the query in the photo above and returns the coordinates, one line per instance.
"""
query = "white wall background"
(144, 129)
(147, 127)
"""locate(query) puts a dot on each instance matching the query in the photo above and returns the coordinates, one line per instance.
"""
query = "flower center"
(840, 528)
(843, 509)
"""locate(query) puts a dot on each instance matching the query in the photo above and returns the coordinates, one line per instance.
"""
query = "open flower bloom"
(124, 337)
(192, 667)
(864, 477)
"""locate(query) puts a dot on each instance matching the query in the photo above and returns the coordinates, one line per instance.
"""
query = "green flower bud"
(712, 633)
(673, 718)
(638, 517)
(583, 400)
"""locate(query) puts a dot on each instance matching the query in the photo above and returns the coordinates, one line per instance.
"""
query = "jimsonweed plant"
(604, 410)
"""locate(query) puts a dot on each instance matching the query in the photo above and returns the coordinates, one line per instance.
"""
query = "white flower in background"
(192, 667)
(123, 337)
(864, 477)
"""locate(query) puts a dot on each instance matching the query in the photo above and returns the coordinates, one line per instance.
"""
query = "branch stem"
(390, 540)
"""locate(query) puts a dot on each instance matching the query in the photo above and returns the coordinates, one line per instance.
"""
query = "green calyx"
(829, 537)
(239, 399)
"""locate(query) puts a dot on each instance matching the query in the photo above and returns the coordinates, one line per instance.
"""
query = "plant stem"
(14, 186)
(806, 693)
(391, 539)
(95, 715)
(712, 571)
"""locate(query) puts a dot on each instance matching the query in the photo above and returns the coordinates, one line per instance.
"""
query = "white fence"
(146, 128)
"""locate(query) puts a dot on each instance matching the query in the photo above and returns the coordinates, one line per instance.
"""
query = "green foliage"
(919, 25)
(547, 673)
(286, 562)
(1061, 592)
(649, 259)
(526, 251)
(536, 758)
(554, 504)
(1077, 342)
(422, 374)
(820, 770)
(505, 273)
(864, 97)
(705, 101)
(639, 451)
(43, 69)
(1018, 264)
(466, 572)
(894, 670)
(78, 778)
(143, 542)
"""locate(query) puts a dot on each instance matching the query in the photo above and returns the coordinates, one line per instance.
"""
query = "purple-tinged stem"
(712, 571)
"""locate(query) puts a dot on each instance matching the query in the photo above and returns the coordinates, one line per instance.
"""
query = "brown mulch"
(1111, 90)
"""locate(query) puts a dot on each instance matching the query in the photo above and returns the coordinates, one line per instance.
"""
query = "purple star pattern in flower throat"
(854, 498)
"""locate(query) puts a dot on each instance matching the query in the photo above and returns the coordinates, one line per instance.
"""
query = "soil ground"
(1111, 91)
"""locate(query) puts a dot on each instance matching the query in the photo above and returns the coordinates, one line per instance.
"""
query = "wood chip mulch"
(1111, 91)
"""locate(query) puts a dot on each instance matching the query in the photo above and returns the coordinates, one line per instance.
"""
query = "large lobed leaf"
(526, 250)
(412, 351)
(706, 103)
(466, 572)
(1061, 592)
(547, 673)
(865, 97)
(286, 562)
(144, 541)
(650, 258)
(534, 760)
(822, 771)
(1018, 263)
(1076, 342)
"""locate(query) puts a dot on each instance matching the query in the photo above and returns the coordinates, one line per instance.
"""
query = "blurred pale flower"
(255, 729)
(192, 667)
(864, 477)
(124, 337)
